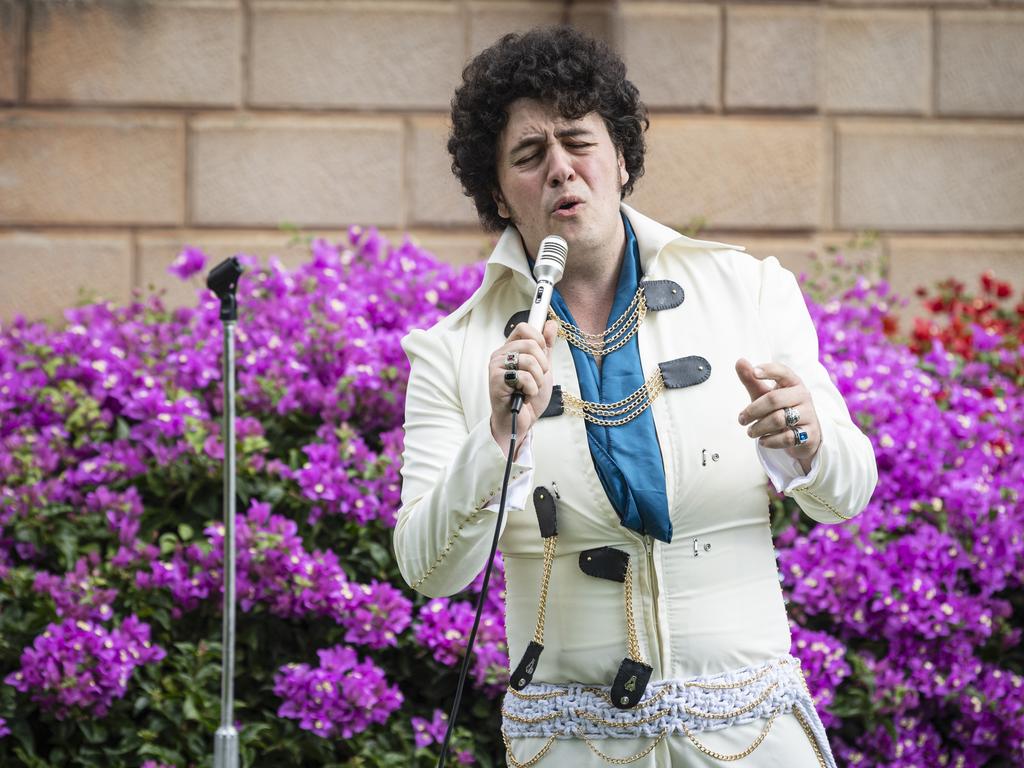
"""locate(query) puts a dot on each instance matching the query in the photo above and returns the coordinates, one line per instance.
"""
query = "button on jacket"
(710, 600)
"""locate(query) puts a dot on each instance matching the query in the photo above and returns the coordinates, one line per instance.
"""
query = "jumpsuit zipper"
(652, 577)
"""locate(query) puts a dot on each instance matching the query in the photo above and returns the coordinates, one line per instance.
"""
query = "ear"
(623, 173)
(499, 201)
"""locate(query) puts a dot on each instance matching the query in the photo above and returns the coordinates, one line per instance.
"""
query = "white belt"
(684, 706)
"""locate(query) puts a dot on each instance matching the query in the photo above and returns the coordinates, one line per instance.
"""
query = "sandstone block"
(12, 17)
(597, 19)
(490, 20)
(743, 173)
(156, 250)
(311, 53)
(457, 248)
(672, 53)
(152, 52)
(812, 255)
(930, 176)
(435, 194)
(48, 272)
(74, 168)
(772, 57)
(917, 261)
(981, 62)
(898, 3)
(310, 171)
(877, 61)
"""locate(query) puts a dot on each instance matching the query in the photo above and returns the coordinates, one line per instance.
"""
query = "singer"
(674, 378)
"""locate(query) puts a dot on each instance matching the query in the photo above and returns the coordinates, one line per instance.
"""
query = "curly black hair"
(558, 65)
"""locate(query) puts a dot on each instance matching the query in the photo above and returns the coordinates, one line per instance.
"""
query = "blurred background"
(130, 128)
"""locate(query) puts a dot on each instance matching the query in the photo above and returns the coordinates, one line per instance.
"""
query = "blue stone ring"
(800, 435)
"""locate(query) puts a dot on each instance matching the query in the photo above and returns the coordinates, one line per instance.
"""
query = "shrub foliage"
(908, 618)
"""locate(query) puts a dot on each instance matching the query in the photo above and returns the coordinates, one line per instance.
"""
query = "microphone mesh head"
(551, 258)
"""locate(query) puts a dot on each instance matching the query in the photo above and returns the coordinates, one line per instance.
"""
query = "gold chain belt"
(683, 706)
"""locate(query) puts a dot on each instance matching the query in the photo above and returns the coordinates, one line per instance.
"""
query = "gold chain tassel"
(626, 409)
(614, 337)
(550, 544)
(634, 643)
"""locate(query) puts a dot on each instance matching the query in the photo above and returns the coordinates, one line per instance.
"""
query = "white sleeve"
(783, 470)
(843, 474)
(450, 474)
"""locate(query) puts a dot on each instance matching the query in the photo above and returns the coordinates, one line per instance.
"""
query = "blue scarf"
(627, 457)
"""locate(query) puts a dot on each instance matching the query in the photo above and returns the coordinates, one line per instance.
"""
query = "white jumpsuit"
(706, 603)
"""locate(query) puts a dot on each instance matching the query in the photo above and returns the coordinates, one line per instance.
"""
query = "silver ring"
(512, 379)
(800, 435)
(511, 361)
(792, 416)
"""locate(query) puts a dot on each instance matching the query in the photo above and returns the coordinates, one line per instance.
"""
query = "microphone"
(547, 269)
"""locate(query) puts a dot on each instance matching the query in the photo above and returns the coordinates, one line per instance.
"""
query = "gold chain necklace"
(620, 412)
(614, 337)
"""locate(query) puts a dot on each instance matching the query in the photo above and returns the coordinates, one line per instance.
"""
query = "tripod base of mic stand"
(225, 747)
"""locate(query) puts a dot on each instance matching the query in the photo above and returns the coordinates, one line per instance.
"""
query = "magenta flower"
(340, 698)
(81, 667)
(427, 732)
(188, 262)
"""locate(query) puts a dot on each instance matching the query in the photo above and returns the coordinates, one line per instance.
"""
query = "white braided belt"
(710, 703)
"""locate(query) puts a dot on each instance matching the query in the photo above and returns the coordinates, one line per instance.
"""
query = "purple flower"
(340, 698)
(81, 667)
(427, 732)
(444, 627)
(189, 261)
(78, 594)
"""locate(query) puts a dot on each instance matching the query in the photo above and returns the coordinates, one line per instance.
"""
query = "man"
(659, 634)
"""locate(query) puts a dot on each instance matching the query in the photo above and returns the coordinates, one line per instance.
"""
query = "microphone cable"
(516, 404)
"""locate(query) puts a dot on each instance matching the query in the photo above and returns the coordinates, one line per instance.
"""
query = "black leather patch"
(685, 371)
(554, 404)
(605, 563)
(516, 319)
(662, 294)
(527, 666)
(544, 503)
(630, 683)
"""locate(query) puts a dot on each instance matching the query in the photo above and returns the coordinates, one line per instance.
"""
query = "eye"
(525, 160)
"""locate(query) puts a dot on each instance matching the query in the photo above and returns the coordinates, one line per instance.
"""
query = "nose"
(560, 168)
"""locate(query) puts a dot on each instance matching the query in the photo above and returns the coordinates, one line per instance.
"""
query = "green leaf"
(189, 709)
(168, 543)
(93, 731)
(30, 759)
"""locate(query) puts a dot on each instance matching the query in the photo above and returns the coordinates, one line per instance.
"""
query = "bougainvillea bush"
(907, 618)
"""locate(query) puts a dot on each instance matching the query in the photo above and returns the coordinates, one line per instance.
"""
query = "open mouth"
(567, 206)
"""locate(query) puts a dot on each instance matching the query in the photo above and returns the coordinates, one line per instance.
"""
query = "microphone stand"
(223, 281)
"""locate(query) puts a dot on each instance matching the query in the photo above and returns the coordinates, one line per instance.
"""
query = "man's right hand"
(534, 381)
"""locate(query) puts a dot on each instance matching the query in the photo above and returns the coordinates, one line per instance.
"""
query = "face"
(560, 177)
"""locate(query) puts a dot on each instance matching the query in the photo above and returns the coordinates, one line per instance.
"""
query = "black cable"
(483, 592)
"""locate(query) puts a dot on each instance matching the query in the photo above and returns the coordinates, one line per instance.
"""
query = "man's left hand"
(773, 387)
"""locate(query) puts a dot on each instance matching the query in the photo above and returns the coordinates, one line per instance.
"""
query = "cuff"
(520, 484)
(784, 471)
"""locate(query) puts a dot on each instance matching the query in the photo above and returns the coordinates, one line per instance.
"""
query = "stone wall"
(129, 128)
